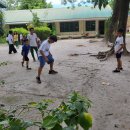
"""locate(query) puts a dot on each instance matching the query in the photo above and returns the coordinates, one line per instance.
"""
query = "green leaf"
(27, 124)
(4, 122)
(16, 124)
(68, 128)
(57, 127)
(72, 107)
(79, 106)
(70, 113)
(49, 122)
(62, 117)
(32, 104)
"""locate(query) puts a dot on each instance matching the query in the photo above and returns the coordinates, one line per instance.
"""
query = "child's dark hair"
(10, 32)
(53, 37)
(120, 30)
(31, 28)
(24, 40)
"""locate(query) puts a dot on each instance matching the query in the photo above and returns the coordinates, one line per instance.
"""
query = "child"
(44, 56)
(11, 43)
(32, 37)
(16, 39)
(118, 48)
(38, 42)
(25, 51)
(7, 39)
(21, 38)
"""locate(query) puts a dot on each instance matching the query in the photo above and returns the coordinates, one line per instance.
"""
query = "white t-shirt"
(45, 47)
(21, 36)
(119, 41)
(6, 38)
(32, 39)
(10, 39)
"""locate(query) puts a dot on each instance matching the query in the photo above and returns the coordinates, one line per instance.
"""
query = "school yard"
(109, 92)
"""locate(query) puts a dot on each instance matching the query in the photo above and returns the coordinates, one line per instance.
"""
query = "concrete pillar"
(97, 27)
(57, 25)
(81, 27)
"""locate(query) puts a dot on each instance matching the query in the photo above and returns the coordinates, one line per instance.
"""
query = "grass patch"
(4, 63)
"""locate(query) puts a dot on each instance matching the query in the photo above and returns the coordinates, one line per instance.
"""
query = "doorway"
(101, 27)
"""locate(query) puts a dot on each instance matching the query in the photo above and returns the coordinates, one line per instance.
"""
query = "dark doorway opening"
(101, 27)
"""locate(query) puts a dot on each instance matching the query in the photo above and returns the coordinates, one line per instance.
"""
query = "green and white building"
(68, 22)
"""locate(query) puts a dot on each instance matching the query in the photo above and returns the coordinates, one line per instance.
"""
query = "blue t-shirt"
(25, 50)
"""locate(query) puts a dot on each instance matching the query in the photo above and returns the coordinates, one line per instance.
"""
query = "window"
(90, 25)
(69, 26)
(18, 26)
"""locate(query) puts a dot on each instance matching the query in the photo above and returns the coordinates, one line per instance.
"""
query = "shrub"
(2, 39)
(43, 32)
(20, 30)
(1, 24)
(69, 115)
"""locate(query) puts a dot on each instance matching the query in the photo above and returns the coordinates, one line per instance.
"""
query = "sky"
(57, 3)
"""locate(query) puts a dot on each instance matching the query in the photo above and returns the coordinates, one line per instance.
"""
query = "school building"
(68, 22)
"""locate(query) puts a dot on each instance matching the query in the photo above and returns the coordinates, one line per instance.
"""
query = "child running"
(25, 51)
(118, 47)
(45, 56)
(11, 43)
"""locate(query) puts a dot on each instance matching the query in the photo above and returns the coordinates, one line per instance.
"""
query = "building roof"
(2, 4)
(56, 14)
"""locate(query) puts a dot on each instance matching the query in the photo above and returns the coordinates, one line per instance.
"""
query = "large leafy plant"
(69, 115)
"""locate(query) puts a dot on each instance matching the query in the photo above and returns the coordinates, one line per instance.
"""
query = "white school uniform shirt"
(45, 47)
(32, 39)
(21, 36)
(6, 38)
(119, 41)
(10, 39)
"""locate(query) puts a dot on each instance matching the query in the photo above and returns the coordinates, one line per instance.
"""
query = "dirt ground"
(109, 92)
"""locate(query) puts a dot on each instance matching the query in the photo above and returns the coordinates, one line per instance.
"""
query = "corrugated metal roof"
(56, 14)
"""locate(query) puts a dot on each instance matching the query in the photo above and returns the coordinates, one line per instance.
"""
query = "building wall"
(82, 29)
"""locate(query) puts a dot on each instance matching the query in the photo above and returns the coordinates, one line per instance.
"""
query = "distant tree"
(27, 4)
(12, 4)
(111, 3)
(1, 23)
(33, 4)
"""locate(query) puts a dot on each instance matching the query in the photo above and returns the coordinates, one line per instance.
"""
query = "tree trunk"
(118, 20)
(113, 25)
(124, 9)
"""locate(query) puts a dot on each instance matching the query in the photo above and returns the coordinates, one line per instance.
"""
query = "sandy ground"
(109, 92)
